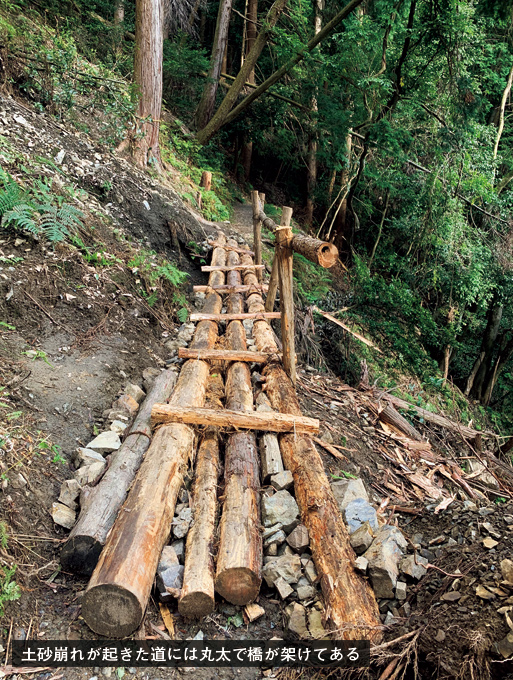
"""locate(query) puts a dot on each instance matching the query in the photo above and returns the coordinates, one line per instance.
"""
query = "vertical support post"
(273, 281)
(257, 233)
(284, 257)
(206, 180)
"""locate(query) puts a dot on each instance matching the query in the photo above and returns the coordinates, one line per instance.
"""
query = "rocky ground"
(77, 358)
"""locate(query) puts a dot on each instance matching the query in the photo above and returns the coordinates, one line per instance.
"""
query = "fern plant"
(58, 223)
(21, 217)
(11, 195)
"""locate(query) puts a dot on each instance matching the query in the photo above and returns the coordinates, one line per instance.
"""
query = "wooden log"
(231, 289)
(236, 249)
(234, 317)
(391, 417)
(286, 216)
(323, 253)
(285, 277)
(99, 505)
(257, 232)
(224, 355)
(119, 589)
(239, 562)
(270, 456)
(206, 180)
(350, 605)
(430, 417)
(197, 596)
(212, 268)
(254, 420)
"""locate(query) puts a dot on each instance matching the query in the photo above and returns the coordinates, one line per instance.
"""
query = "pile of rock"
(90, 462)
(183, 337)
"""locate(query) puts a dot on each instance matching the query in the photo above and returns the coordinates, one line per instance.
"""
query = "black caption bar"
(191, 653)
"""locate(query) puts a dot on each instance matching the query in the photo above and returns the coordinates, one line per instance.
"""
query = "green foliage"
(311, 282)
(212, 207)
(9, 589)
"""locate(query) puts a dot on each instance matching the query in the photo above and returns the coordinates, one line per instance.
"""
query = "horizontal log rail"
(235, 249)
(263, 288)
(234, 317)
(231, 268)
(255, 420)
(226, 355)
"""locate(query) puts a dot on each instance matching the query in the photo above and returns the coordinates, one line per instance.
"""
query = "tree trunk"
(321, 252)
(286, 280)
(351, 607)
(148, 79)
(239, 561)
(208, 98)
(119, 12)
(99, 505)
(503, 356)
(225, 114)
(197, 596)
(483, 363)
(251, 35)
(311, 175)
(206, 132)
(504, 99)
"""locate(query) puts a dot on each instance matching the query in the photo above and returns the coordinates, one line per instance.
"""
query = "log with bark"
(254, 420)
(323, 253)
(239, 562)
(231, 289)
(197, 596)
(393, 418)
(99, 505)
(119, 589)
(351, 608)
(214, 268)
(200, 316)
(224, 355)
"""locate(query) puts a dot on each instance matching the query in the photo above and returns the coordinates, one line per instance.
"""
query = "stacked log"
(119, 589)
(239, 562)
(197, 596)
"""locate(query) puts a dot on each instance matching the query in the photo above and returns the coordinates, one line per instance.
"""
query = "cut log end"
(196, 605)
(239, 585)
(111, 610)
(327, 255)
(80, 554)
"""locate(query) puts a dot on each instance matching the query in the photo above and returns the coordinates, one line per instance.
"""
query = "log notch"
(351, 607)
(286, 216)
(99, 505)
(197, 596)
(257, 232)
(323, 253)
(118, 592)
(285, 277)
(239, 561)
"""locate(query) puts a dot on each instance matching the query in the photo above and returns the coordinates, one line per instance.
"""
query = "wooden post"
(206, 180)
(257, 232)
(284, 258)
(286, 216)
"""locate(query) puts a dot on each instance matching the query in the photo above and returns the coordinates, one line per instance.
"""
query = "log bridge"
(207, 417)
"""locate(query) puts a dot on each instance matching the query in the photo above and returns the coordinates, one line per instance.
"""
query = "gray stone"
(135, 392)
(282, 480)
(359, 511)
(282, 508)
(285, 549)
(507, 570)
(315, 625)
(414, 567)
(118, 426)
(296, 622)
(347, 490)
(179, 548)
(283, 588)
(361, 564)
(182, 523)
(278, 538)
(149, 375)
(269, 531)
(299, 538)
(18, 481)
(288, 567)
(306, 592)
(70, 491)
(310, 571)
(106, 442)
(362, 538)
(383, 557)
(90, 473)
(169, 582)
(400, 590)
(168, 559)
(390, 619)
(87, 457)
(272, 550)
(63, 516)
(469, 506)
(505, 646)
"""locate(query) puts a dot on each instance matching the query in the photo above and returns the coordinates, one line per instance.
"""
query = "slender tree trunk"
(148, 78)
(251, 36)
(226, 105)
(225, 114)
(119, 12)
(482, 365)
(504, 355)
(208, 98)
(505, 96)
(343, 232)
(311, 177)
